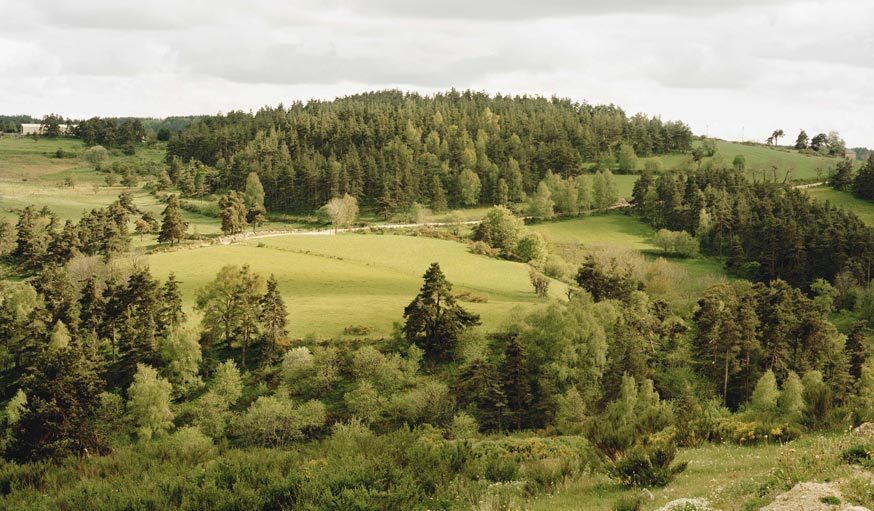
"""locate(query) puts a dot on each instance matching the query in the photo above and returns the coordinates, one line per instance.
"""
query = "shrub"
(629, 503)
(648, 466)
(482, 248)
(859, 454)
(357, 330)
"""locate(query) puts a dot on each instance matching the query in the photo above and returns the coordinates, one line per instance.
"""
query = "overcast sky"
(730, 68)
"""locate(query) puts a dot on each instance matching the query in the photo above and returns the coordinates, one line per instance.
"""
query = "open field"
(760, 161)
(844, 200)
(689, 277)
(331, 282)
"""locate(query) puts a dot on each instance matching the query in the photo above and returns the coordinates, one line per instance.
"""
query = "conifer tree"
(515, 381)
(173, 226)
(274, 316)
(434, 321)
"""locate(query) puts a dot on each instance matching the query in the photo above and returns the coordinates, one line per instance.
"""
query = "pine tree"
(171, 314)
(274, 316)
(857, 349)
(515, 381)
(434, 321)
(173, 226)
(863, 185)
(62, 401)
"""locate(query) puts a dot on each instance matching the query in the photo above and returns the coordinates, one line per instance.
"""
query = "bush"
(356, 330)
(648, 466)
(482, 248)
(859, 454)
(629, 503)
(740, 432)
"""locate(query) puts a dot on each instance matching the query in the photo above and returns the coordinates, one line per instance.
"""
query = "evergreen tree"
(173, 226)
(843, 178)
(60, 417)
(434, 321)
(515, 381)
(274, 316)
(857, 349)
(863, 185)
(171, 314)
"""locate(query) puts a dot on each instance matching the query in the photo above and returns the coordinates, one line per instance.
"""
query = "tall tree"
(173, 226)
(434, 321)
(274, 317)
(233, 213)
(802, 141)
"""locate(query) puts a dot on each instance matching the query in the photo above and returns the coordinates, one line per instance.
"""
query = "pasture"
(332, 282)
(844, 200)
(623, 235)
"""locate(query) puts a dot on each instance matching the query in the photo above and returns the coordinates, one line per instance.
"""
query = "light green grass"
(689, 278)
(760, 161)
(844, 200)
(599, 230)
(331, 282)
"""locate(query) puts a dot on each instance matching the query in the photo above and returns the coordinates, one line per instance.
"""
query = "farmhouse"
(36, 129)
(850, 155)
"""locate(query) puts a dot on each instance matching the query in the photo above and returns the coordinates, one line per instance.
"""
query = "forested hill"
(391, 149)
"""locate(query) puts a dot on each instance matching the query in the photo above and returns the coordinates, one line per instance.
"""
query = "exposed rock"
(807, 497)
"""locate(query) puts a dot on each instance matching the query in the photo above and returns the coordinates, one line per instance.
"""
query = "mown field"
(332, 282)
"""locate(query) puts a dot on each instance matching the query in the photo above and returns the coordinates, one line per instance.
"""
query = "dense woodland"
(103, 373)
(390, 149)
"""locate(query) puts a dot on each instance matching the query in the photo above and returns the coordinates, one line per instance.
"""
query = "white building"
(36, 129)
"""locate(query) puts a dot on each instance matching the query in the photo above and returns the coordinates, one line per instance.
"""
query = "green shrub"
(648, 466)
(859, 454)
(629, 503)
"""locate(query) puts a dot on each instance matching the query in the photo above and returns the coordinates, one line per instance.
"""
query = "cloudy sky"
(730, 68)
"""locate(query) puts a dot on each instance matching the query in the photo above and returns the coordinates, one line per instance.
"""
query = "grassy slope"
(759, 157)
(331, 282)
(30, 174)
(845, 200)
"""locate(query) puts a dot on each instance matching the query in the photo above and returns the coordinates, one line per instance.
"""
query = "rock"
(687, 505)
(855, 508)
(805, 497)
(865, 430)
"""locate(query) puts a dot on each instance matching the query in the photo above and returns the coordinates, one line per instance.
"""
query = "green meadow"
(844, 200)
(330, 282)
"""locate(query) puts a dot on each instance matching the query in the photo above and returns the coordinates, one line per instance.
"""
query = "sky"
(733, 69)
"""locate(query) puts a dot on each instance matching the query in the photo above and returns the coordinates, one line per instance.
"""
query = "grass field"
(331, 282)
(617, 230)
(761, 159)
(844, 200)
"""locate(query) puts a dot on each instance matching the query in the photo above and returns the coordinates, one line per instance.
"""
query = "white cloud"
(725, 67)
